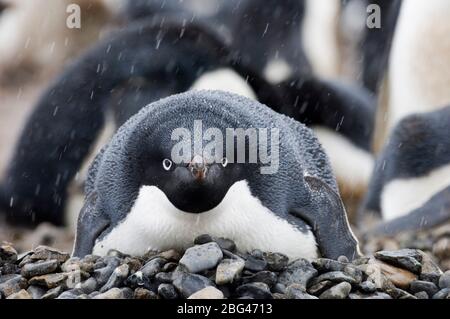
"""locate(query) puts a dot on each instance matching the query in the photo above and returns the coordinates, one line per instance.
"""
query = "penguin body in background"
(418, 75)
(409, 186)
(139, 197)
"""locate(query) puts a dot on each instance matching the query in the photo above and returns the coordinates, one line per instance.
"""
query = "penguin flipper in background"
(70, 114)
(329, 221)
(346, 109)
(434, 213)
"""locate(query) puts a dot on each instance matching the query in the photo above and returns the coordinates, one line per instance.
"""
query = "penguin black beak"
(198, 168)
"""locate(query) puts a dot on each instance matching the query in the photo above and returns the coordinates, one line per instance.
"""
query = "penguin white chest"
(154, 223)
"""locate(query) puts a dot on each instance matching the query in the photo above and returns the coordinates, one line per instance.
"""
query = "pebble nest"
(213, 268)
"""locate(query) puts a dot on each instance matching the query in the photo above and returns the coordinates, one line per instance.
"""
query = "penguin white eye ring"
(224, 162)
(167, 164)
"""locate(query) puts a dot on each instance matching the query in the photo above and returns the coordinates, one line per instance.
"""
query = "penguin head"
(197, 186)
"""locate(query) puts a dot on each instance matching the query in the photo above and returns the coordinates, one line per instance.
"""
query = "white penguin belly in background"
(419, 70)
(155, 224)
(402, 196)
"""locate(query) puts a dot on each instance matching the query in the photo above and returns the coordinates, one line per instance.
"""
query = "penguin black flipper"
(346, 109)
(329, 221)
(433, 213)
(91, 223)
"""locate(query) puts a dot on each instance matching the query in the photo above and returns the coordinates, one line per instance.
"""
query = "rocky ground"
(213, 268)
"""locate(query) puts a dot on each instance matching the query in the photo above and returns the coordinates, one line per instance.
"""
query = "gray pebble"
(167, 291)
(70, 294)
(327, 265)
(279, 288)
(142, 293)
(36, 292)
(8, 269)
(276, 261)
(117, 278)
(421, 295)
(444, 280)
(430, 270)
(299, 272)
(7, 254)
(267, 277)
(153, 266)
(114, 293)
(53, 293)
(378, 295)
(12, 284)
(39, 268)
(164, 277)
(201, 257)
(226, 244)
(102, 275)
(340, 291)
(139, 280)
(229, 270)
(367, 287)
(320, 287)
(22, 294)
(170, 255)
(169, 267)
(74, 264)
(442, 294)
(409, 259)
(296, 291)
(203, 239)
(49, 281)
(88, 286)
(343, 259)
(334, 276)
(127, 293)
(257, 253)
(257, 290)
(188, 284)
(398, 293)
(418, 286)
(47, 253)
(255, 264)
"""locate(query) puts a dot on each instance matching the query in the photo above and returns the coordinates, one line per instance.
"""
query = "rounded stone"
(340, 291)
(201, 257)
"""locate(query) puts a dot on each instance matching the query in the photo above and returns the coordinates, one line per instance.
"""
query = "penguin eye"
(167, 164)
(224, 162)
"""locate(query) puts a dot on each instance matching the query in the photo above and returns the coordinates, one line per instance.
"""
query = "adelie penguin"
(410, 185)
(140, 195)
(418, 70)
